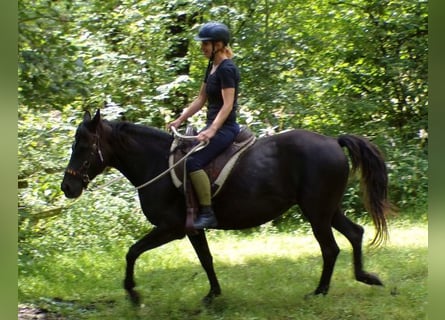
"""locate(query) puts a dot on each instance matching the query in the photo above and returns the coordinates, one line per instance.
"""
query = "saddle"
(218, 169)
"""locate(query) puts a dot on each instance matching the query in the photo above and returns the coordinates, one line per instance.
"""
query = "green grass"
(263, 276)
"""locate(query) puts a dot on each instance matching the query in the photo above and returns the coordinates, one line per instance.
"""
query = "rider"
(220, 90)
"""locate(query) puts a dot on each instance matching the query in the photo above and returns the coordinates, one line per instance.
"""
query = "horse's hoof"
(323, 289)
(208, 299)
(369, 278)
(134, 297)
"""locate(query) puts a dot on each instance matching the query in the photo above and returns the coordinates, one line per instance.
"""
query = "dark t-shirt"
(226, 76)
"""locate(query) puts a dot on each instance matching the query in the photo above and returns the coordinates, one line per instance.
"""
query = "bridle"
(82, 172)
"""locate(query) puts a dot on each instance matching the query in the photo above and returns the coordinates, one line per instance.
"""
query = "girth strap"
(192, 207)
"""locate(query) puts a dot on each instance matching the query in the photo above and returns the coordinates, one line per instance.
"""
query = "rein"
(199, 146)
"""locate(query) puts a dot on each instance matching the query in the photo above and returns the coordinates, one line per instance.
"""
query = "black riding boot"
(206, 218)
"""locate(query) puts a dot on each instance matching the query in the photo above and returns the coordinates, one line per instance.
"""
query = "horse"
(295, 167)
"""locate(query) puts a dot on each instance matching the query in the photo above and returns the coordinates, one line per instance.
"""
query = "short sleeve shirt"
(226, 76)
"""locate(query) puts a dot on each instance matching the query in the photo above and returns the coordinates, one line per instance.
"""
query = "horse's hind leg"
(354, 233)
(329, 250)
(199, 242)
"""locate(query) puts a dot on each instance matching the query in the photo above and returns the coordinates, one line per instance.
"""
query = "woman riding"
(220, 90)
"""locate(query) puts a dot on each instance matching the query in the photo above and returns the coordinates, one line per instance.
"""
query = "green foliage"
(363, 62)
(408, 167)
(50, 72)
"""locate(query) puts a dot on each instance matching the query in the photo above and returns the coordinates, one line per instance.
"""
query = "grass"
(263, 276)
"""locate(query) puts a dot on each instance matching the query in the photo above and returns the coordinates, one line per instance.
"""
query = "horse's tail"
(367, 157)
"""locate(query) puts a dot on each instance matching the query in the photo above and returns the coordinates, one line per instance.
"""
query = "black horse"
(294, 167)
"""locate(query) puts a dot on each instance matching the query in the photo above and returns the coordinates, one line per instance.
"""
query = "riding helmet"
(214, 31)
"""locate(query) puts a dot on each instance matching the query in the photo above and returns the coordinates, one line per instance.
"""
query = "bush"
(408, 175)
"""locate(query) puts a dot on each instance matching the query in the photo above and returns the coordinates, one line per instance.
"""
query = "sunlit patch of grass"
(263, 276)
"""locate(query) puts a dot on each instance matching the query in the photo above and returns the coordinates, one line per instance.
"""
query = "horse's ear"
(96, 118)
(93, 123)
(87, 116)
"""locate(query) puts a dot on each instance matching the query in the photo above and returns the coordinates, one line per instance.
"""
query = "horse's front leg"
(199, 242)
(155, 238)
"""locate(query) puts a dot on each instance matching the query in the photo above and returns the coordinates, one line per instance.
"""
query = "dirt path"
(28, 312)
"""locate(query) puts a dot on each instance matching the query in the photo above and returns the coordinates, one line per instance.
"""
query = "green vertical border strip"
(436, 160)
(8, 157)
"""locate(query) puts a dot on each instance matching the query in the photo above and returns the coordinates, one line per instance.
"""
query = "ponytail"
(228, 52)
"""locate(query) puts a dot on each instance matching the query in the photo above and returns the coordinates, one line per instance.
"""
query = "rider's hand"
(174, 124)
(206, 134)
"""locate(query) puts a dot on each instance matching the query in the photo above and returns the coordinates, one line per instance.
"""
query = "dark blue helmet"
(214, 31)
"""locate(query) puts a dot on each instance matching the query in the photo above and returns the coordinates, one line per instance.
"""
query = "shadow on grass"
(262, 287)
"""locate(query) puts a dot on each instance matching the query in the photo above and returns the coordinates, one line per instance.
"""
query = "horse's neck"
(144, 157)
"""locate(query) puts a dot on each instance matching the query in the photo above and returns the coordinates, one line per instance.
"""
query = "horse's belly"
(246, 211)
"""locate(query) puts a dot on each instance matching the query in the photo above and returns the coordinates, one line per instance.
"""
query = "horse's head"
(86, 160)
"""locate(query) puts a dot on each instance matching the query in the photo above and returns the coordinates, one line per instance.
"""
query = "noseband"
(82, 171)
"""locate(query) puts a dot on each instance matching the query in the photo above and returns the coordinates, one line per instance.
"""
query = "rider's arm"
(195, 106)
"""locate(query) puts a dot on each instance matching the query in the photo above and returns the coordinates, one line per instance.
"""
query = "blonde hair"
(228, 51)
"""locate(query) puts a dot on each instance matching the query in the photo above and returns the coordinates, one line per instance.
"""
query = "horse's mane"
(137, 137)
